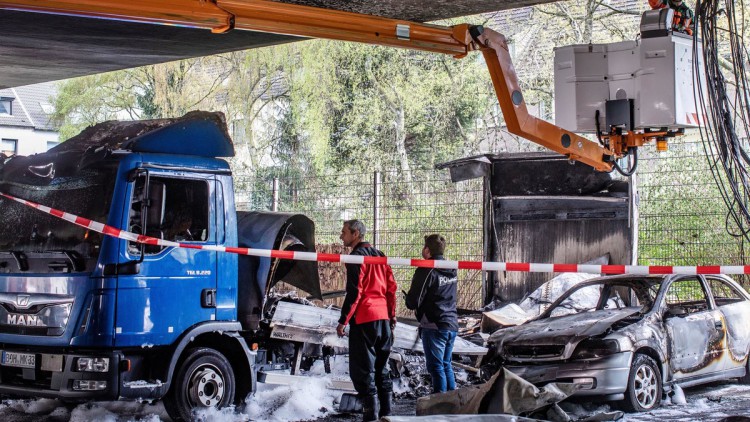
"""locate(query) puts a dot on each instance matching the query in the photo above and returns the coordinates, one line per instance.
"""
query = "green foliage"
(682, 216)
(386, 107)
(82, 102)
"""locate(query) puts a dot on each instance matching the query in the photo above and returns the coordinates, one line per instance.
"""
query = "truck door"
(171, 289)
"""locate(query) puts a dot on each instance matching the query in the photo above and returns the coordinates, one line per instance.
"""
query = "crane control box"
(634, 85)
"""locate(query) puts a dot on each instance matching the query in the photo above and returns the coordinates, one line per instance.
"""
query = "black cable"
(631, 167)
(724, 102)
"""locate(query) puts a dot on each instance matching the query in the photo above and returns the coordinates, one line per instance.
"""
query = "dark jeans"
(369, 347)
(438, 348)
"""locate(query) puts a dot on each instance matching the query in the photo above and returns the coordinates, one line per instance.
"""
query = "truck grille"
(34, 314)
(32, 378)
(535, 351)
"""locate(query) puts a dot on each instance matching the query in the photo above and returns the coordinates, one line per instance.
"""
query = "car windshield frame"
(652, 284)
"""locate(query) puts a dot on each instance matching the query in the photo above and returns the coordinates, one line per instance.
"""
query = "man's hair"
(356, 225)
(435, 243)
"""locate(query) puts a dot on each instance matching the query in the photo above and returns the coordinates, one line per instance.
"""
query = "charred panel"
(556, 230)
(545, 174)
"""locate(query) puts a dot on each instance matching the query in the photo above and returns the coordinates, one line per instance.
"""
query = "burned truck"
(90, 316)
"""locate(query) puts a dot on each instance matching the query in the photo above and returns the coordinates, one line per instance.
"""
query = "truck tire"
(644, 389)
(204, 379)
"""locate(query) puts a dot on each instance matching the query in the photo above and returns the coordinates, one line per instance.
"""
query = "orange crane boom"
(288, 19)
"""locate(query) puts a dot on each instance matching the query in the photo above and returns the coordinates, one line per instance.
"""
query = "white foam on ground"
(308, 398)
(678, 396)
(39, 406)
(112, 411)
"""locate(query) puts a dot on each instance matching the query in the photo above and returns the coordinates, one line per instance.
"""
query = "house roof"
(31, 106)
(39, 47)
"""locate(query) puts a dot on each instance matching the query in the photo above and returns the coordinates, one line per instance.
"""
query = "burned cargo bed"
(310, 324)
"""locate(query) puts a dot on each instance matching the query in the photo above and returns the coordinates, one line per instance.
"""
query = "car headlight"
(596, 348)
(92, 365)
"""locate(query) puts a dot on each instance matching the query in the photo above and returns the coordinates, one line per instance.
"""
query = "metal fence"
(682, 216)
(398, 213)
(683, 219)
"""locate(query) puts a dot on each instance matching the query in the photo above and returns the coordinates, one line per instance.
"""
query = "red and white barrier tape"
(407, 262)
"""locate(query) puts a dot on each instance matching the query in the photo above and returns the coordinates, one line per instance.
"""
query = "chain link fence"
(683, 219)
(397, 212)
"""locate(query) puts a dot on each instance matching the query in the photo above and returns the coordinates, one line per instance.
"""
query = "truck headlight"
(92, 365)
(596, 348)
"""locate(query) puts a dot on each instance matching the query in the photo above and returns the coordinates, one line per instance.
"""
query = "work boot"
(370, 408)
(385, 403)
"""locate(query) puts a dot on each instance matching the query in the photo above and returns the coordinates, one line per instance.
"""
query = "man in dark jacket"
(370, 310)
(433, 295)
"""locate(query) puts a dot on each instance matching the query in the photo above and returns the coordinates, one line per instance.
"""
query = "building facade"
(26, 127)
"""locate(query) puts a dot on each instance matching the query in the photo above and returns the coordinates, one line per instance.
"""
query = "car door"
(168, 293)
(735, 309)
(694, 328)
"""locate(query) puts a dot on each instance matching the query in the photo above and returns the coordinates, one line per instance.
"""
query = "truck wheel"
(204, 379)
(644, 385)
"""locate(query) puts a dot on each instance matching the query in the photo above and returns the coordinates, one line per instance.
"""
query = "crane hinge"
(403, 32)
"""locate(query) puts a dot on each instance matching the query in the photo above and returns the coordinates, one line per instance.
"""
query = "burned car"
(630, 338)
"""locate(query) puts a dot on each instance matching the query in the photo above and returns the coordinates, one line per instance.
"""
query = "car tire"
(644, 389)
(203, 380)
(746, 379)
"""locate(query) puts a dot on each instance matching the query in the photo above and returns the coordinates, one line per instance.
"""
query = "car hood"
(566, 331)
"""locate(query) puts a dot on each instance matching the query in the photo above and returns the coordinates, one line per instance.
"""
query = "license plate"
(20, 360)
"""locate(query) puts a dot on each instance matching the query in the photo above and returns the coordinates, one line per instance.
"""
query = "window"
(6, 106)
(178, 211)
(46, 107)
(51, 145)
(620, 297)
(9, 147)
(687, 294)
(723, 292)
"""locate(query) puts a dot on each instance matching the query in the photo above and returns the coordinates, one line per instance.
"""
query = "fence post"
(275, 203)
(376, 209)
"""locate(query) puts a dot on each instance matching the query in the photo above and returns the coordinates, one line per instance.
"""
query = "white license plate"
(20, 360)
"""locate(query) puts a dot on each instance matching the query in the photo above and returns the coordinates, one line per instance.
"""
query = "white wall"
(29, 141)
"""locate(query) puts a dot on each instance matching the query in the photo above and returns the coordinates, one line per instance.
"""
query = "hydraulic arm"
(288, 19)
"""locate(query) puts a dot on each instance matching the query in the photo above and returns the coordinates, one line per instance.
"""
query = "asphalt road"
(725, 401)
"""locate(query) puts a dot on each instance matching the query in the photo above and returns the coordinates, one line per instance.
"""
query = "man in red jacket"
(370, 310)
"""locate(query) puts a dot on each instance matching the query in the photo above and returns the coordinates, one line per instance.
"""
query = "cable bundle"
(724, 100)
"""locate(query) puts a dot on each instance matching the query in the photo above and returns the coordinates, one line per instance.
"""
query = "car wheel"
(746, 378)
(204, 379)
(644, 385)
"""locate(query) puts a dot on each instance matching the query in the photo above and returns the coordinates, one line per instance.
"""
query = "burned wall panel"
(556, 230)
(545, 209)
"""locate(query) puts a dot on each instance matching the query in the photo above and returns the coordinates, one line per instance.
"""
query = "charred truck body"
(85, 316)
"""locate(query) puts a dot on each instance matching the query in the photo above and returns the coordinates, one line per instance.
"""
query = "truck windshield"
(62, 182)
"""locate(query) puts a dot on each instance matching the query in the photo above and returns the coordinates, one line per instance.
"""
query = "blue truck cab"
(89, 316)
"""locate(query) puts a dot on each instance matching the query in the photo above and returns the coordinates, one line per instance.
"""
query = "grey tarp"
(504, 393)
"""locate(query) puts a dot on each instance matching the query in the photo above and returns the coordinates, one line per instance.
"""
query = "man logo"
(22, 301)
